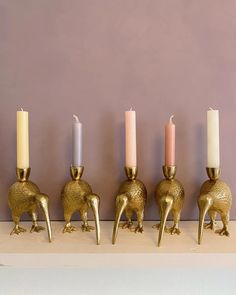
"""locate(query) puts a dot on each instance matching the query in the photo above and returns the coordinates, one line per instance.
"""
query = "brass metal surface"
(77, 195)
(169, 171)
(215, 197)
(76, 172)
(213, 173)
(22, 174)
(131, 198)
(24, 197)
(169, 198)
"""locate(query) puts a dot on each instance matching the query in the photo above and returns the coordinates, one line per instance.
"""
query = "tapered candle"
(76, 142)
(22, 139)
(213, 145)
(130, 139)
(170, 143)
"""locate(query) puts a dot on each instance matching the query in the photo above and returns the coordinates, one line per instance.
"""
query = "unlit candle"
(170, 143)
(76, 142)
(130, 139)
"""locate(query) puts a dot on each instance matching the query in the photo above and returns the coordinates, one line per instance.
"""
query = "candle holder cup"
(25, 196)
(169, 198)
(77, 195)
(215, 197)
(131, 198)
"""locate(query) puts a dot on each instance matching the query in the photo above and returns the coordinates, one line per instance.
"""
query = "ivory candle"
(170, 143)
(22, 139)
(213, 146)
(130, 139)
(76, 142)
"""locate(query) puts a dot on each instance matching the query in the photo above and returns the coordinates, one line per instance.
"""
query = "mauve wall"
(97, 59)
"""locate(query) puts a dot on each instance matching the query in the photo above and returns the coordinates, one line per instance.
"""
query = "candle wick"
(211, 109)
(76, 118)
(131, 109)
(21, 109)
(171, 118)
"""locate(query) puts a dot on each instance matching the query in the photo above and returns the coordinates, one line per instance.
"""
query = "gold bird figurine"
(131, 198)
(77, 195)
(215, 197)
(169, 198)
(25, 196)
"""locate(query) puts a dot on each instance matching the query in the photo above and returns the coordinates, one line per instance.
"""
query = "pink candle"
(130, 139)
(170, 143)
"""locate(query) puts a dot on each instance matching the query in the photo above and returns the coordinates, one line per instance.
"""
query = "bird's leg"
(212, 223)
(17, 229)
(139, 227)
(157, 226)
(68, 228)
(128, 224)
(224, 231)
(84, 216)
(35, 227)
(175, 228)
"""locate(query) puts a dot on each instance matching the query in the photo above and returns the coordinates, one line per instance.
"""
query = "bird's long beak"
(43, 203)
(93, 202)
(166, 203)
(204, 203)
(121, 203)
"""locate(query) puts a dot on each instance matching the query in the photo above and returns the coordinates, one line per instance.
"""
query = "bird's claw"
(17, 230)
(87, 227)
(36, 228)
(210, 225)
(223, 232)
(69, 228)
(127, 224)
(138, 229)
(158, 225)
(173, 230)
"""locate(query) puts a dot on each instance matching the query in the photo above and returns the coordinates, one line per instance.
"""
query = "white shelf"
(79, 248)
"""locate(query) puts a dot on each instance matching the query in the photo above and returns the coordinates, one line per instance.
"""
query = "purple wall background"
(99, 58)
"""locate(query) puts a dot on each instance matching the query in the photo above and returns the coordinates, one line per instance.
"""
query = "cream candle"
(213, 145)
(76, 142)
(130, 139)
(22, 139)
(170, 143)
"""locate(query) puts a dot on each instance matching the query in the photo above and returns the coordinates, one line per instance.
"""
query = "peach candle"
(22, 139)
(170, 143)
(213, 145)
(130, 139)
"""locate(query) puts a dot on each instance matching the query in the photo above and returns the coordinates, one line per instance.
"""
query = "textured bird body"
(21, 197)
(215, 197)
(77, 195)
(169, 198)
(74, 195)
(135, 192)
(220, 194)
(172, 188)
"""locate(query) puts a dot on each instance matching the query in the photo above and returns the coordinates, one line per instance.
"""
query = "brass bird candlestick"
(77, 195)
(215, 197)
(169, 198)
(131, 198)
(25, 196)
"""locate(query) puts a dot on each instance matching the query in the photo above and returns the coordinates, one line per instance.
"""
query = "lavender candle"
(76, 142)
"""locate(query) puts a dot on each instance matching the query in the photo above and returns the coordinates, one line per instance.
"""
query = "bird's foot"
(210, 225)
(173, 230)
(223, 232)
(138, 229)
(36, 228)
(17, 230)
(127, 224)
(158, 225)
(86, 227)
(69, 228)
